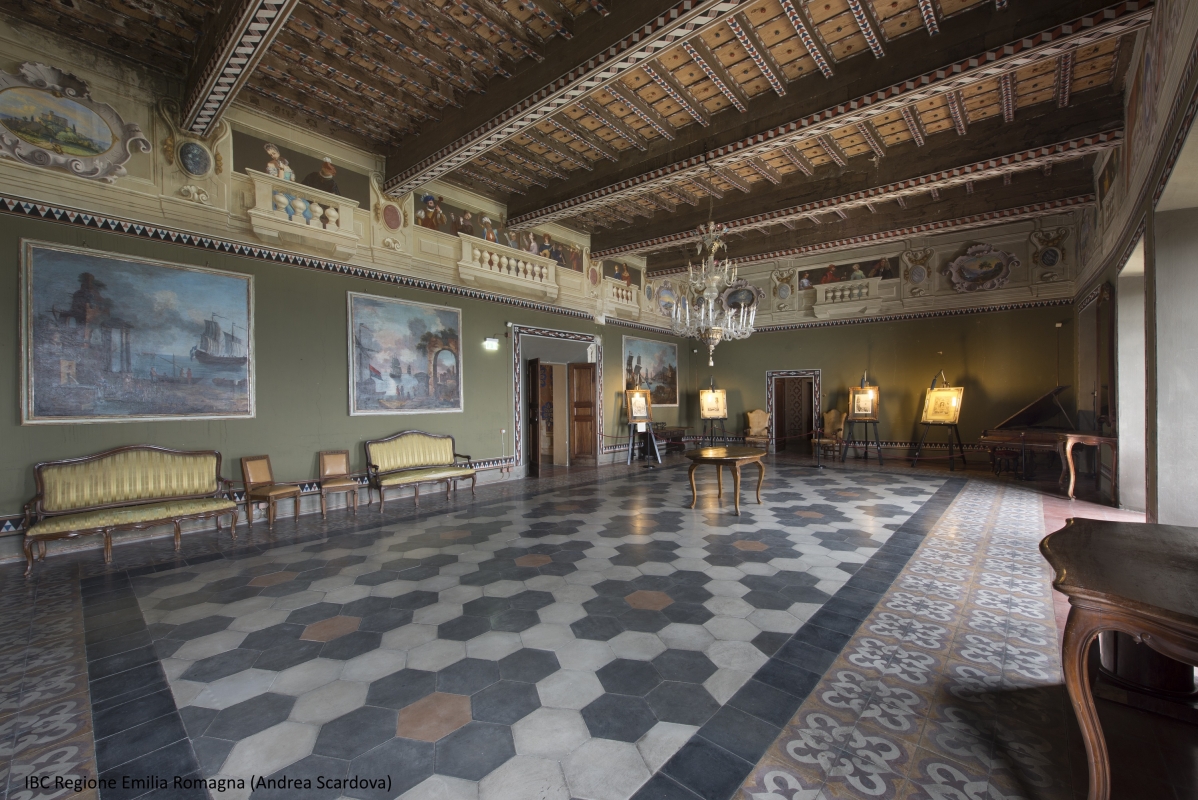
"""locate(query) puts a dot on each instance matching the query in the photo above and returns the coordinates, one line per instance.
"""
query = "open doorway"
(1130, 382)
(793, 400)
(557, 409)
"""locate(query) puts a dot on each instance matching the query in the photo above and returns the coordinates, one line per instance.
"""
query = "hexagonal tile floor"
(562, 645)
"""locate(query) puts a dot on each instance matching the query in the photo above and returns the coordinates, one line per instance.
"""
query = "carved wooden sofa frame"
(65, 510)
(410, 458)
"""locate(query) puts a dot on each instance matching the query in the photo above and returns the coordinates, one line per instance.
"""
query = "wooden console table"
(1128, 577)
(1065, 443)
(734, 457)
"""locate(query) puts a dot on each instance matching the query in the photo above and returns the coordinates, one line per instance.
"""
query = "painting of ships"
(219, 348)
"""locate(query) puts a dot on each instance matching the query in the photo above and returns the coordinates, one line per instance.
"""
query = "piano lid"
(1038, 413)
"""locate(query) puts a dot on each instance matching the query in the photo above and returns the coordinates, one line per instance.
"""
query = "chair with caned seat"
(260, 487)
(335, 479)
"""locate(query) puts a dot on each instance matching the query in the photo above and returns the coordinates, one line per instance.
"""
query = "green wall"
(300, 341)
(1004, 359)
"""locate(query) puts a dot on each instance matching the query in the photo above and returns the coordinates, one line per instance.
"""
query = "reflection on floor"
(582, 635)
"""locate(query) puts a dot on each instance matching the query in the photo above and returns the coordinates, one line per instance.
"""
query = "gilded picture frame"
(942, 405)
(638, 406)
(864, 403)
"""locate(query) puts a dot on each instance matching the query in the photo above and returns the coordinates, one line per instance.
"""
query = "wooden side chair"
(260, 487)
(758, 432)
(829, 443)
(335, 479)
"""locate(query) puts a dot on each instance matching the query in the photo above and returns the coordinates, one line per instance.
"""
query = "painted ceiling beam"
(895, 227)
(956, 109)
(729, 175)
(862, 16)
(491, 179)
(578, 133)
(714, 69)
(647, 113)
(495, 26)
(823, 108)
(914, 124)
(226, 57)
(797, 14)
(550, 14)
(1064, 86)
(614, 124)
(683, 194)
(765, 170)
(636, 209)
(833, 150)
(927, 9)
(746, 34)
(871, 136)
(450, 30)
(708, 187)
(1006, 93)
(604, 48)
(555, 145)
(801, 162)
(659, 201)
(674, 89)
(522, 175)
(522, 155)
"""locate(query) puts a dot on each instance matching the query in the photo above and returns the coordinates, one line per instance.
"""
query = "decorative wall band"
(236, 55)
(946, 312)
(1114, 21)
(640, 326)
(680, 22)
(1016, 214)
(954, 176)
(170, 236)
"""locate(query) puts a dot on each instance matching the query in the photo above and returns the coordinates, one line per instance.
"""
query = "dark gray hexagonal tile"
(355, 733)
(376, 578)
(387, 620)
(314, 613)
(200, 627)
(463, 628)
(689, 613)
(352, 645)
(414, 600)
(474, 751)
(770, 600)
(611, 588)
(684, 703)
(400, 689)
(505, 702)
(688, 593)
(311, 768)
(288, 655)
(625, 676)
(467, 676)
(528, 665)
(486, 606)
(366, 606)
(598, 628)
(607, 606)
(273, 636)
(405, 761)
(532, 600)
(220, 666)
(514, 620)
(250, 716)
(644, 620)
(684, 665)
(620, 717)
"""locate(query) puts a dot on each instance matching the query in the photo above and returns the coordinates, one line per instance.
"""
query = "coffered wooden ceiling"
(635, 120)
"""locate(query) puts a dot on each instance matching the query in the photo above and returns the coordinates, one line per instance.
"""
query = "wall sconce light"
(490, 343)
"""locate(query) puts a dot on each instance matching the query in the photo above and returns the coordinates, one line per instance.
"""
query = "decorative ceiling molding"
(971, 222)
(237, 51)
(1114, 21)
(680, 22)
(1037, 157)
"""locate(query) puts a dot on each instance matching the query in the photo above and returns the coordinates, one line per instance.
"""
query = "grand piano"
(1035, 427)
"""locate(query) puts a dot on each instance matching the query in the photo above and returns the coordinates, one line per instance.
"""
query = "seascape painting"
(652, 365)
(404, 358)
(113, 338)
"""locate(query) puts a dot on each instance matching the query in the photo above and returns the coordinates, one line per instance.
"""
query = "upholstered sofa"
(411, 458)
(128, 488)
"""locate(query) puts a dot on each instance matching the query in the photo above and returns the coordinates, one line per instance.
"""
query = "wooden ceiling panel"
(952, 7)
(902, 22)
(849, 46)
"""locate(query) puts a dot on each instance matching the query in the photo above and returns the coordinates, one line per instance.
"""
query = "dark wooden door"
(532, 390)
(583, 419)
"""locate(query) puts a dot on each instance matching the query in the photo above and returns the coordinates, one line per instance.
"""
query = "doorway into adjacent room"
(794, 408)
(559, 411)
(1130, 382)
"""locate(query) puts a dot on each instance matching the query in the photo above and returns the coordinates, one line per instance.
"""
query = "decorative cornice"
(640, 326)
(1116, 20)
(242, 45)
(929, 314)
(83, 219)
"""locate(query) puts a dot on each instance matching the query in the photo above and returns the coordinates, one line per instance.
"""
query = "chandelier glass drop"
(714, 305)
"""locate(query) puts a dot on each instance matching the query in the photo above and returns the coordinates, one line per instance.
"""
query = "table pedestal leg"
(1080, 630)
(691, 474)
(760, 480)
(719, 479)
(736, 486)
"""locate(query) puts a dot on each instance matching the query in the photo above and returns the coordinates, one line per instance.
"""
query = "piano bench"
(1006, 460)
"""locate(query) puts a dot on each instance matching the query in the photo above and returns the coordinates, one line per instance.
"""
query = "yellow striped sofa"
(411, 458)
(127, 488)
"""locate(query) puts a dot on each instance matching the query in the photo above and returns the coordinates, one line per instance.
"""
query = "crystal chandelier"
(714, 305)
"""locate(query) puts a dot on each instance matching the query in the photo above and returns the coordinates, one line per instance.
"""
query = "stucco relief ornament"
(982, 268)
(783, 284)
(916, 270)
(49, 119)
(1049, 252)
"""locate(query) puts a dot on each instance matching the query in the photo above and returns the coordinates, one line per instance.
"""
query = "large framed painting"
(114, 338)
(652, 365)
(404, 357)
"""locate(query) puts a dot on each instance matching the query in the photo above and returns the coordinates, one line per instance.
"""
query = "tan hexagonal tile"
(329, 629)
(454, 534)
(653, 601)
(533, 560)
(808, 514)
(273, 579)
(433, 717)
(756, 547)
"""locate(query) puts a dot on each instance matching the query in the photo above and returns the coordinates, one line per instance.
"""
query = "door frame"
(518, 333)
(817, 398)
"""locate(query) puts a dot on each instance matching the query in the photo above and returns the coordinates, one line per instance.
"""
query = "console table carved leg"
(1072, 467)
(691, 475)
(760, 480)
(736, 486)
(719, 480)
(1081, 629)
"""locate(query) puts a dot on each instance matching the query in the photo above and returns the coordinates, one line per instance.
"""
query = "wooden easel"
(650, 441)
(709, 429)
(954, 433)
(850, 439)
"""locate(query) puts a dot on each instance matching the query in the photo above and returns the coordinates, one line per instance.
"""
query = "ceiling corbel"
(492, 180)
(530, 159)
(554, 145)
(522, 175)
(552, 16)
(707, 186)
(227, 56)
(1064, 86)
(927, 9)
(1006, 93)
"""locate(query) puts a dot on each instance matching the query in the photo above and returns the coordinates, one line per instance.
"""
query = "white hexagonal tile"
(682, 636)
(550, 733)
(256, 621)
(569, 689)
(503, 588)
(234, 688)
(442, 787)
(662, 741)
(270, 750)
(437, 613)
(460, 594)
(573, 593)
(547, 636)
(729, 607)
(307, 676)
(726, 588)
(732, 628)
(493, 645)
(210, 645)
(736, 655)
(724, 683)
(373, 665)
(436, 655)
(409, 636)
(637, 645)
(585, 654)
(524, 778)
(602, 769)
(329, 702)
(563, 613)
(545, 583)
(757, 568)
(775, 621)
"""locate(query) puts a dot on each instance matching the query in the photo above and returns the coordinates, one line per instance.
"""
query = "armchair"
(758, 432)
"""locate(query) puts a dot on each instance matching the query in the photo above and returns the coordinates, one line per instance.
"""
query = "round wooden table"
(734, 457)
